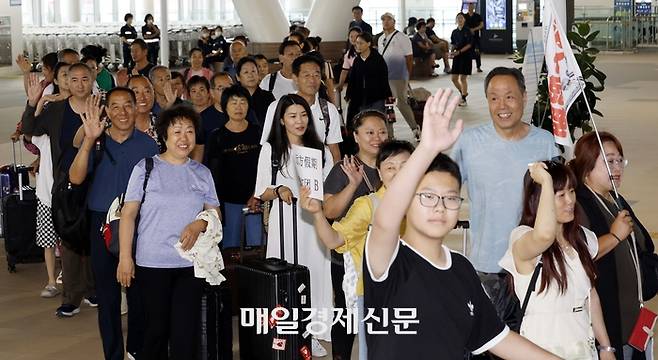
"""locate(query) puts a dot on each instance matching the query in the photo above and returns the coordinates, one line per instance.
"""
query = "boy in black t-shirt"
(427, 302)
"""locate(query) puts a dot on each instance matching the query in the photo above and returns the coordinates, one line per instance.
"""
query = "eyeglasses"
(450, 202)
(620, 162)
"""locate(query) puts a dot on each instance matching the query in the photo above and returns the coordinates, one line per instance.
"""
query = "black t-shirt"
(417, 50)
(454, 313)
(128, 32)
(70, 126)
(144, 72)
(336, 181)
(233, 161)
(430, 33)
(260, 101)
(461, 38)
(473, 21)
(148, 31)
(222, 48)
(211, 119)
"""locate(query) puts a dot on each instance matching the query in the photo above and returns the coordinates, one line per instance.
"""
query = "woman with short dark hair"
(233, 161)
(178, 189)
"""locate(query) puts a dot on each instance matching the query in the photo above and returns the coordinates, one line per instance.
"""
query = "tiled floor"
(29, 329)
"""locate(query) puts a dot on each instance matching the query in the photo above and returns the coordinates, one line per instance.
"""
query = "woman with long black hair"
(293, 125)
(563, 313)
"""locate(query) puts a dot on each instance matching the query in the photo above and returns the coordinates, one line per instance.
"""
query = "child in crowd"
(418, 277)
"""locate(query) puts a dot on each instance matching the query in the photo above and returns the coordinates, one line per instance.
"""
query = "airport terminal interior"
(626, 52)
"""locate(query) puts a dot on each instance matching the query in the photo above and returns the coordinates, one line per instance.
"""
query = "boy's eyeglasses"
(430, 200)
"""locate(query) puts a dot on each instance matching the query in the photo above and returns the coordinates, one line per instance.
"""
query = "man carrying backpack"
(280, 83)
(121, 146)
(306, 76)
(60, 120)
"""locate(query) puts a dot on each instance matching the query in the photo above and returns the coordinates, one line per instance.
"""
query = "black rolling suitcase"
(268, 284)
(216, 323)
(19, 222)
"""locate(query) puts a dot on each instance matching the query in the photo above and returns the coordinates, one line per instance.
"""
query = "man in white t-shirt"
(306, 75)
(396, 49)
(280, 83)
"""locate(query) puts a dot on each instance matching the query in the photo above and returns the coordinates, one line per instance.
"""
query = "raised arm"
(436, 137)
(93, 128)
(335, 204)
(544, 232)
(330, 237)
(30, 124)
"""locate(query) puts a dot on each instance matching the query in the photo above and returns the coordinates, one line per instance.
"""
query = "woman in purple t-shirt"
(178, 189)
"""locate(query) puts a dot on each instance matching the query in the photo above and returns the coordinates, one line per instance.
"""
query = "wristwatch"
(607, 348)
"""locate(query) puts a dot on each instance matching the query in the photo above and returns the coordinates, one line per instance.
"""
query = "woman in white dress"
(563, 314)
(293, 125)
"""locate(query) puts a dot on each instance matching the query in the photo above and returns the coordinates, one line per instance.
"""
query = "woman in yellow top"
(348, 236)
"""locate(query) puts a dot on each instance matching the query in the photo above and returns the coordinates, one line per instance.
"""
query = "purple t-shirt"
(175, 195)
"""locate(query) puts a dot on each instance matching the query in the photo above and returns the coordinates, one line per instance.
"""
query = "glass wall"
(111, 12)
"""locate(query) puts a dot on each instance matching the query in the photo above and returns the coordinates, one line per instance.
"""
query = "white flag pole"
(598, 137)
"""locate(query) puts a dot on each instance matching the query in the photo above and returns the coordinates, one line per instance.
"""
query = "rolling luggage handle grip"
(294, 231)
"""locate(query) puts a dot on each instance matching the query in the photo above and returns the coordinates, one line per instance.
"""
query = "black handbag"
(69, 205)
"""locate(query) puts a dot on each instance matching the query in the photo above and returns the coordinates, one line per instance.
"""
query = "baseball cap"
(387, 14)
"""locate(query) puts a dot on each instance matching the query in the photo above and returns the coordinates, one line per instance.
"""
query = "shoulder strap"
(147, 175)
(272, 81)
(275, 167)
(389, 42)
(324, 107)
(531, 288)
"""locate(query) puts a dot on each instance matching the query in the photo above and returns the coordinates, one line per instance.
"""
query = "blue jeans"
(628, 351)
(235, 222)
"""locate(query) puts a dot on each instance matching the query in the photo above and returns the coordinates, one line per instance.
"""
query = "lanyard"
(634, 254)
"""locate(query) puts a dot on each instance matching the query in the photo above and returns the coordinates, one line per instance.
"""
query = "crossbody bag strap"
(371, 189)
(147, 175)
(272, 81)
(389, 42)
(324, 108)
(531, 288)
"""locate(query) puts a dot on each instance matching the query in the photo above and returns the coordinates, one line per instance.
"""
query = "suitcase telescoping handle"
(294, 231)
(13, 149)
(464, 225)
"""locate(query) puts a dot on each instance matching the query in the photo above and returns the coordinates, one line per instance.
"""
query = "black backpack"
(69, 204)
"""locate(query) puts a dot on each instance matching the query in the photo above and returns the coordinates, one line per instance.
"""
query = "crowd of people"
(182, 150)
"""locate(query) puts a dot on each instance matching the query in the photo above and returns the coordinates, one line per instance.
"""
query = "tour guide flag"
(565, 81)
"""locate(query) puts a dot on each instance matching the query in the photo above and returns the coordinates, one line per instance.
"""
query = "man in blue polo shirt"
(122, 147)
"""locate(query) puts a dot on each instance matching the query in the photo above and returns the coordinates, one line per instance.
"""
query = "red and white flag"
(565, 81)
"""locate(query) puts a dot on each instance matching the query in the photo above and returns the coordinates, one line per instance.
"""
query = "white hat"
(388, 14)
